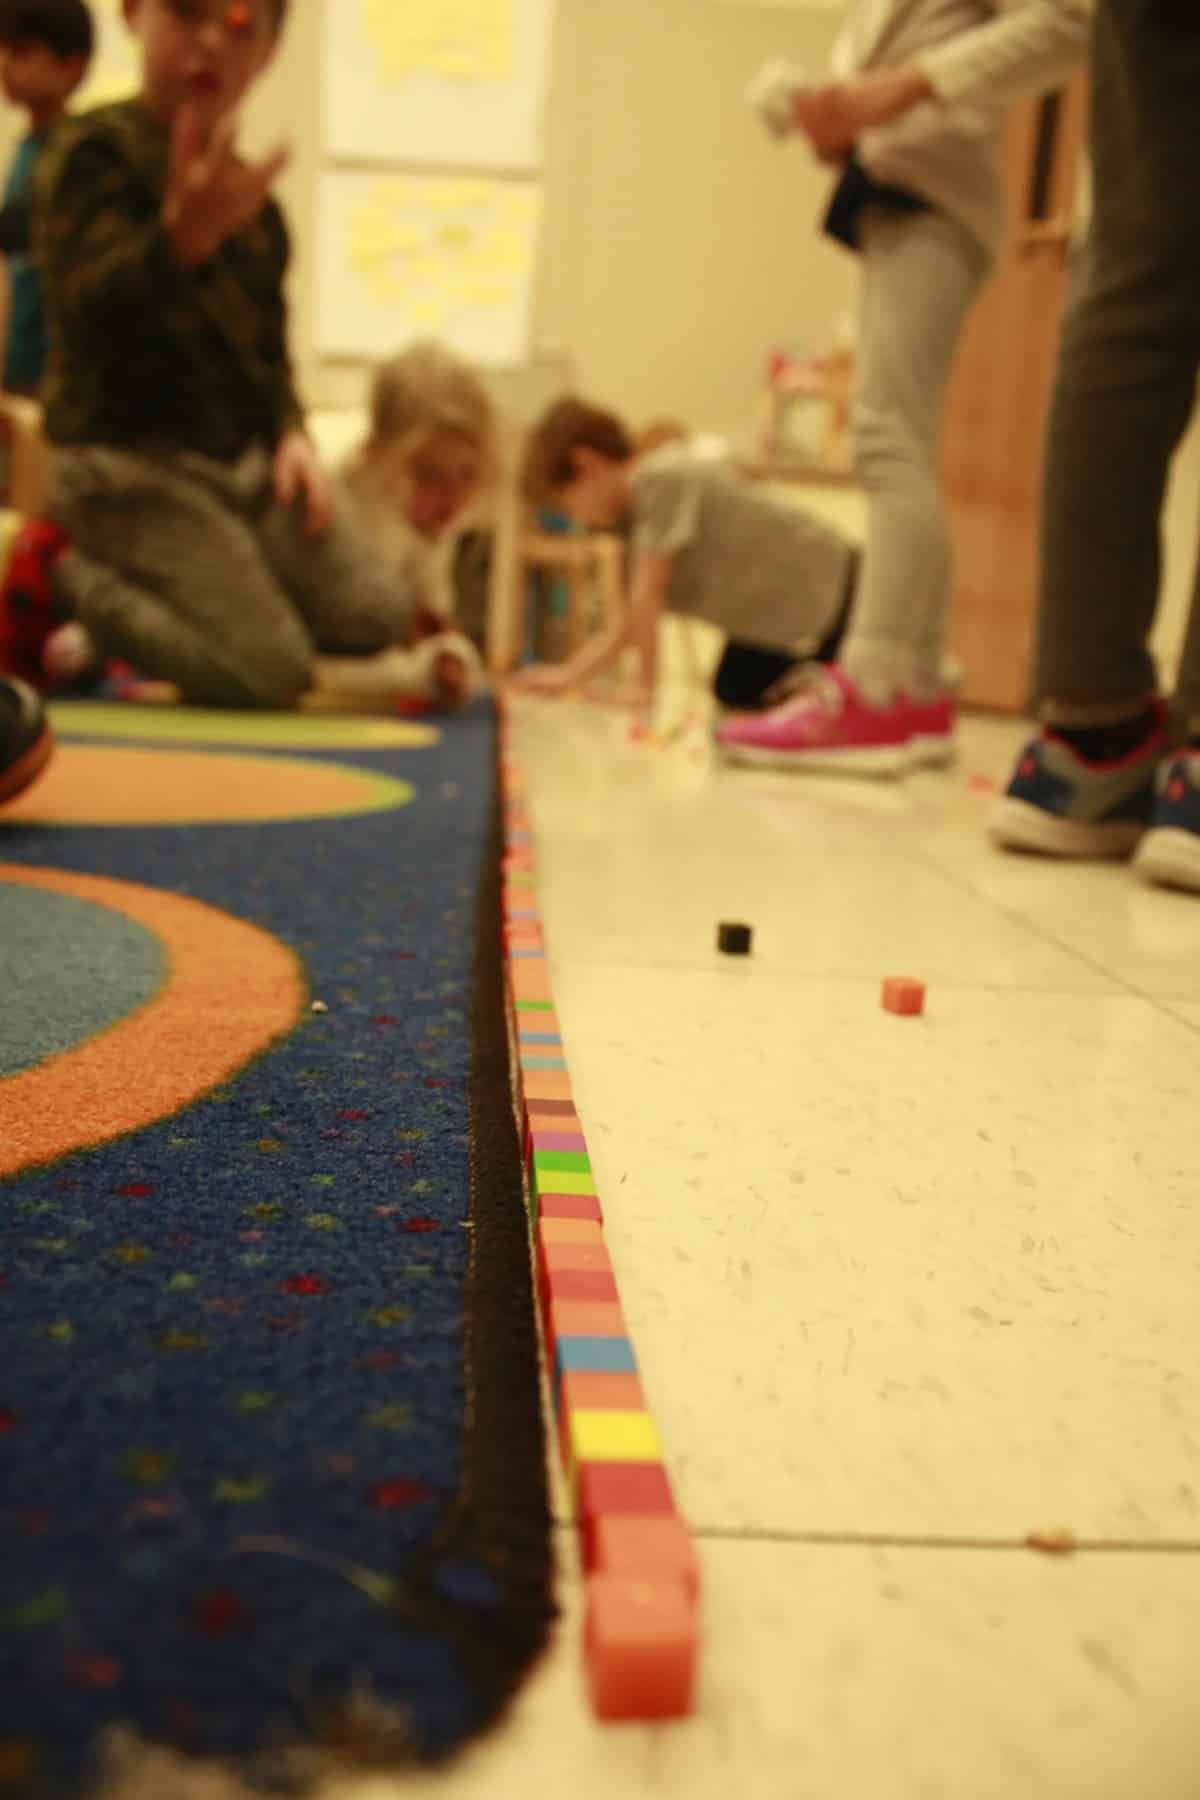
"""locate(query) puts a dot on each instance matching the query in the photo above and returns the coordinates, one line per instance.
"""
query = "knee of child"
(281, 676)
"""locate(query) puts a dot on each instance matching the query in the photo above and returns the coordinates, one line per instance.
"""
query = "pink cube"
(641, 1641)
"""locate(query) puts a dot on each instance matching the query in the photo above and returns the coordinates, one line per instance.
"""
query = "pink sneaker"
(830, 727)
(934, 725)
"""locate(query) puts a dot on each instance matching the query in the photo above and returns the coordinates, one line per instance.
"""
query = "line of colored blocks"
(643, 1584)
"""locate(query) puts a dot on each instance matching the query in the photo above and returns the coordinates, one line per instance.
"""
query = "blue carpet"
(271, 1460)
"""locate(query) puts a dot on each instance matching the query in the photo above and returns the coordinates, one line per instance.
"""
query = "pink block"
(641, 1642)
(558, 1140)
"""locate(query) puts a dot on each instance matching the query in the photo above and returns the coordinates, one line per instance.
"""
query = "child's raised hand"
(211, 192)
(300, 476)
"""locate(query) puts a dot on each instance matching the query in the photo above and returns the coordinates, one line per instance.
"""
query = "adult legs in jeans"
(921, 273)
(1126, 380)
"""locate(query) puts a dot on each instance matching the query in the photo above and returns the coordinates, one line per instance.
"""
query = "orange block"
(546, 1084)
(641, 1642)
(573, 1256)
(600, 1391)
(585, 1318)
(645, 1549)
(904, 996)
(570, 1231)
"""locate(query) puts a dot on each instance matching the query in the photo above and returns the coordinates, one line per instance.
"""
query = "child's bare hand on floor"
(211, 192)
(300, 476)
(547, 679)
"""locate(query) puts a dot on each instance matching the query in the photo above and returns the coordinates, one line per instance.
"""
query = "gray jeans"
(1127, 371)
(921, 273)
(191, 571)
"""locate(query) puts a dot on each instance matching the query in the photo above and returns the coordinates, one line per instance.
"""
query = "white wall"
(680, 244)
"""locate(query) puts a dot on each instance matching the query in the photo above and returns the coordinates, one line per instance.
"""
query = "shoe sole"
(1170, 858)
(1016, 825)
(25, 771)
(880, 760)
(932, 752)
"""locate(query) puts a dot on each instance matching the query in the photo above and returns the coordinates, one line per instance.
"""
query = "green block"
(535, 1005)
(562, 1159)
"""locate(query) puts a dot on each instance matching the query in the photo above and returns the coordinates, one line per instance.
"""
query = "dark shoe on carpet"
(1169, 854)
(26, 740)
(1059, 804)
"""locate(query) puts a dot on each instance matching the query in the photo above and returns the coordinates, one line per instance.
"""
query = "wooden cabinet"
(996, 414)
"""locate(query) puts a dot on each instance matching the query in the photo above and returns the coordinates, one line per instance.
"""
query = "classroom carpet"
(272, 1473)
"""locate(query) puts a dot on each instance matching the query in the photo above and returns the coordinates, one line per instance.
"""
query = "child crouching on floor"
(194, 534)
(705, 543)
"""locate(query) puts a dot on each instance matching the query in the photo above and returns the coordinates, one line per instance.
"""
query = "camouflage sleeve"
(289, 410)
(16, 228)
(104, 256)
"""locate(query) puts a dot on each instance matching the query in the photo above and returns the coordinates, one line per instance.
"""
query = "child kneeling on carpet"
(408, 489)
(194, 533)
(706, 543)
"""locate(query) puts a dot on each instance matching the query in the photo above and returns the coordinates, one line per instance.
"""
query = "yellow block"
(564, 1181)
(613, 1437)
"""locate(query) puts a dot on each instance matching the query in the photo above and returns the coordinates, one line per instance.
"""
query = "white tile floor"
(903, 1290)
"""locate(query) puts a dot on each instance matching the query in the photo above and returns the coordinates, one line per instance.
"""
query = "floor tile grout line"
(1042, 933)
(869, 1540)
(568, 965)
(883, 1540)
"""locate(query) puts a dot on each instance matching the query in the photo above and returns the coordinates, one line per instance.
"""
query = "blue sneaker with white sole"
(1059, 804)
(1169, 854)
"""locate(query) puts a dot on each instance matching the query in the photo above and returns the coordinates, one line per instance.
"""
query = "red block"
(641, 1642)
(904, 996)
(581, 1284)
(570, 1206)
(641, 1489)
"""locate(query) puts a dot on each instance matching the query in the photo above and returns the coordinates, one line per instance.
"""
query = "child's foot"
(1169, 854)
(830, 727)
(1060, 803)
(26, 740)
(934, 741)
(31, 612)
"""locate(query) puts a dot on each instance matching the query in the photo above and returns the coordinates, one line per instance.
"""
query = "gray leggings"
(191, 571)
(1127, 373)
(921, 273)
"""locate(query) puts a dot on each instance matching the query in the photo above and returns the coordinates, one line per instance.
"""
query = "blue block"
(594, 1355)
(540, 1037)
(541, 1062)
(524, 955)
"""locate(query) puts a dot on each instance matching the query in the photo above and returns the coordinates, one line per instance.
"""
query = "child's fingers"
(287, 478)
(220, 156)
(318, 513)
(185, 146)
(265, 174)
